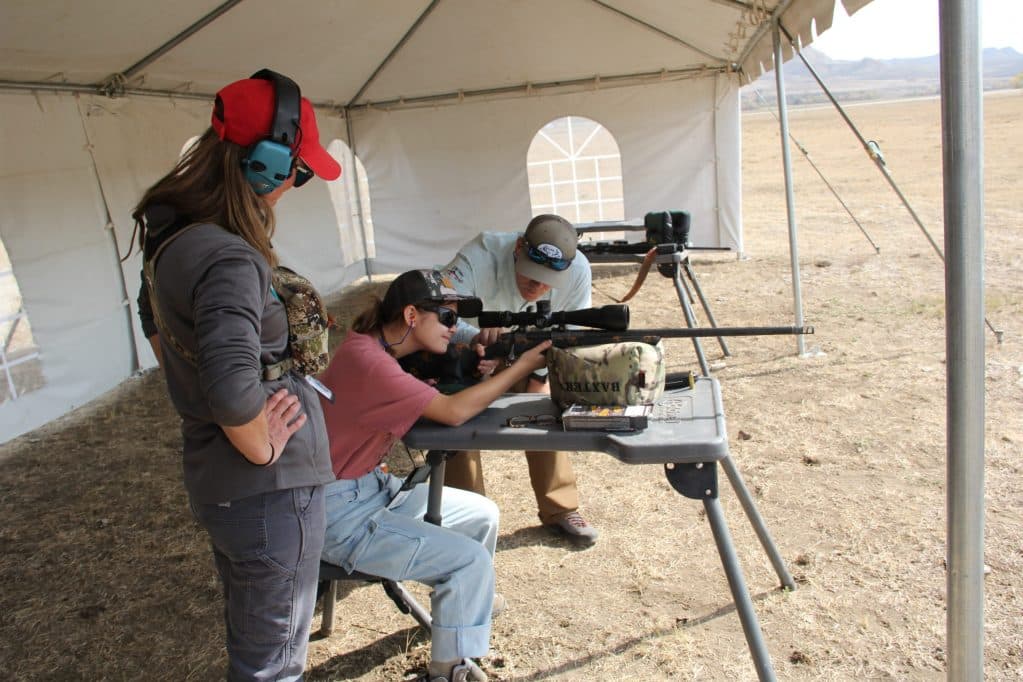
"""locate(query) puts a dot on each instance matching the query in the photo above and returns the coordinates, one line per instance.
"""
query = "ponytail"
(371, 319)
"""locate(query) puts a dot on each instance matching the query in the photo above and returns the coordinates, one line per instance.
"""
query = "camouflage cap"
(425, 286)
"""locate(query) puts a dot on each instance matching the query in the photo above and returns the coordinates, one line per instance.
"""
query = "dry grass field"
(105, 575)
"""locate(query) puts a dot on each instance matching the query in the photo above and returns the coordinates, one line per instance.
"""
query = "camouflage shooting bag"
(308, 325)
(626, 373)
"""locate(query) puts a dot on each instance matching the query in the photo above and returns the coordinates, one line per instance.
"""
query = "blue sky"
(886, 29)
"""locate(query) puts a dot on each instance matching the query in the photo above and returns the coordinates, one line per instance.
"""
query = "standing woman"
(255, 449)
(371, 526)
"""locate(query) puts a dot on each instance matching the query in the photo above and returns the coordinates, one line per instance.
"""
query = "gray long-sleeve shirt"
(215, 297)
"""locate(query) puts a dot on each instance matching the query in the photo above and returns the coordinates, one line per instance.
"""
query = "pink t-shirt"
(375, 403)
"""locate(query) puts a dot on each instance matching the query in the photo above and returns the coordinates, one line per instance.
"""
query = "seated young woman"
(373, 529)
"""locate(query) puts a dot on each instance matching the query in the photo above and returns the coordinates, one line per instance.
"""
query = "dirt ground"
(105, 575)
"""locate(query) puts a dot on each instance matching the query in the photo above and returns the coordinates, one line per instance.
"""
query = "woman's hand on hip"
(283, 418)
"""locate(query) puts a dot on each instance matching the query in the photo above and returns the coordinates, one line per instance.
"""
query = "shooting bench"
(672, 261)
(686, 435)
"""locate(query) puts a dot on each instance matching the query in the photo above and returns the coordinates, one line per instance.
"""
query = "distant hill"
(869, 79)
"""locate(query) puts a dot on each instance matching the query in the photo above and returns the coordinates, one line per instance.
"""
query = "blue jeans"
(267, 551)
(369, 532)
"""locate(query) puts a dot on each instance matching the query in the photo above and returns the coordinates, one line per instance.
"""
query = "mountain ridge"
(868, 78)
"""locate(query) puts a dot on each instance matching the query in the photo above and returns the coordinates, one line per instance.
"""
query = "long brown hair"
(207, 185)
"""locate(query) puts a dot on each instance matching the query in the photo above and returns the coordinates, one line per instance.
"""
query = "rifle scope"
(609, 317)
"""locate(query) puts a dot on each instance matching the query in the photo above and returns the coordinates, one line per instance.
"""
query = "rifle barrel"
(594, 337)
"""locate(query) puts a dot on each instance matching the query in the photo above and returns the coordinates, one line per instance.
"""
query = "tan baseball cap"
(548, 251)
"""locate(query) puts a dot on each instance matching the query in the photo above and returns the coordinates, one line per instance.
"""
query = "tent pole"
(111, 229)
(874, 152)
(117, 80)
(394, 51)
(790, 201)
(963, 166)
(806, 155)
(350, 130)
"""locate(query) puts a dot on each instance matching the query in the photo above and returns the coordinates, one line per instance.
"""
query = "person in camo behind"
(509, 271)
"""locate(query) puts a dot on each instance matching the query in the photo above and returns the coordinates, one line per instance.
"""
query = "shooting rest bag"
(626, 373)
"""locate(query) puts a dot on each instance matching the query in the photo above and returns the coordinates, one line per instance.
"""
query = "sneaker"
(575, 527)
(500, 604)
(466, 671)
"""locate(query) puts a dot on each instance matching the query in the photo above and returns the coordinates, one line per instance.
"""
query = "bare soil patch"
(105, 575)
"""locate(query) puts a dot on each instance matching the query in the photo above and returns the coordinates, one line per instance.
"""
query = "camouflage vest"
(308, 322)
(627, 373)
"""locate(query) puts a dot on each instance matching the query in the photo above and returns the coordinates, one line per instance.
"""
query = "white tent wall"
(439, 175)
(54, 225)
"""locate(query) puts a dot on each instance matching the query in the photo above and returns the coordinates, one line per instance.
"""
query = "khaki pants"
(550, 473)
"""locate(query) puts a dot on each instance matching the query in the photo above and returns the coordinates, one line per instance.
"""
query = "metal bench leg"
(746, 500)
(436, 459)
(329, 599)
(698, 481)
(740, 594)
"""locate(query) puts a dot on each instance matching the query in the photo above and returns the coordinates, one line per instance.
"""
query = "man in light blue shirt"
(509, 271)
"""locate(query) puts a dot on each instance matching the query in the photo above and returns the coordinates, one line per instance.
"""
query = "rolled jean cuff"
(450, 643)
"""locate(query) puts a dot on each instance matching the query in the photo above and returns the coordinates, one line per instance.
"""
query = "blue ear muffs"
(269, 162)
(267, 166)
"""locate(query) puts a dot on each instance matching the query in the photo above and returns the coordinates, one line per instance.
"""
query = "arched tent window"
(19, 355)
(575, 170)
(352, 205)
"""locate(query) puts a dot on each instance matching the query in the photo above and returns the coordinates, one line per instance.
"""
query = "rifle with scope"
(607, 324)
(456, 369)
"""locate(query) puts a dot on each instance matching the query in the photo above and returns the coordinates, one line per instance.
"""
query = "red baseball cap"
(243, 114)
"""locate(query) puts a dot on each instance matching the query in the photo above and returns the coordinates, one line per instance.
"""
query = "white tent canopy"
(440, 101)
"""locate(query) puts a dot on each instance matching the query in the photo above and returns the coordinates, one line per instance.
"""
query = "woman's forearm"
(252, 440)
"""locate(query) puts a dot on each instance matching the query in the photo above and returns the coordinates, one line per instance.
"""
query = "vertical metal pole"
(962, 160)
(354, 170)
(790, 201)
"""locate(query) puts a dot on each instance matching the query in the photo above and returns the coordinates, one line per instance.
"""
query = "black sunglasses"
(541, 258)
(302, 173)
(447, 316)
